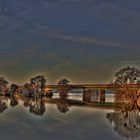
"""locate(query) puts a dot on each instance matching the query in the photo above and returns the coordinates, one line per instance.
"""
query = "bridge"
(96, 86)
(96, 91)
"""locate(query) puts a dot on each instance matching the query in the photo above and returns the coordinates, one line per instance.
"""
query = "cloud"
(19, 14)
(98, 8)
(59, 66)
(86, 40)
(14, 14)
(53, 33)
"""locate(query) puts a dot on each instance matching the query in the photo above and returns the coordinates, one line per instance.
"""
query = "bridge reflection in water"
(37, 103)
(124, 119)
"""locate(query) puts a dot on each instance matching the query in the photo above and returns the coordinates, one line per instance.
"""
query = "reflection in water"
(37, 107)
(126, 124)
(3, 103)
(35, 104)
(126, 117)
(13, 101)
(63, 105)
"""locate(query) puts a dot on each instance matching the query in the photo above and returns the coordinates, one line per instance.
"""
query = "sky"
(86, 41)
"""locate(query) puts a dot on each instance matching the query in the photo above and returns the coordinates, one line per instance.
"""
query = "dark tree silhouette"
(13, 88)
(128, 75)
(29, 89)
(36, 85)
(3, 86)
(63, 82)
(126, 82)
(63, 87)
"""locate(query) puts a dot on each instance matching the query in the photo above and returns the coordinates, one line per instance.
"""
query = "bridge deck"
(97, 86)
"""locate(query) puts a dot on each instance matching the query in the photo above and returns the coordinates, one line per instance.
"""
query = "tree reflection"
(3, 104)
(36, 105)
(126, 117)
(27, 101)
(13, 101)
(63, 105)
(125, 123)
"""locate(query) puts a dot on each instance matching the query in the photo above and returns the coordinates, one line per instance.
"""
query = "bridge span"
(96, 92)
(97, 86)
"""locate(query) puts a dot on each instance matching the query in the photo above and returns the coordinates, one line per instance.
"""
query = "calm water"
(60, 121)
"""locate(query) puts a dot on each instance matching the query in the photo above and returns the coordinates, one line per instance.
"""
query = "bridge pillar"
(102, 96)
(86, 95)
(94, 96)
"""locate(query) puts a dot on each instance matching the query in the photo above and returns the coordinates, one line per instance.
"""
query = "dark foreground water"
(77, 123)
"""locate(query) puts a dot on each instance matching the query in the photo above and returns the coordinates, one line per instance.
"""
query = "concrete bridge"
(93, 86)
(96, 86)
(96, 91)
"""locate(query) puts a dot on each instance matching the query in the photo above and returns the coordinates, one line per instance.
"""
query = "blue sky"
(85, 41)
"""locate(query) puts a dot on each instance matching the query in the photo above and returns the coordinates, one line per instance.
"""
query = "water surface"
(60, 120)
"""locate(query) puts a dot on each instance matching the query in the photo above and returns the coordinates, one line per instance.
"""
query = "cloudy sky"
(83, 40)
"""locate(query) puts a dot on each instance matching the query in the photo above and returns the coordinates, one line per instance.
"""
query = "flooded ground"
(37, 119)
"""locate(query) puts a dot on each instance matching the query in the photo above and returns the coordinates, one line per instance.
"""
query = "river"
(60, 121)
